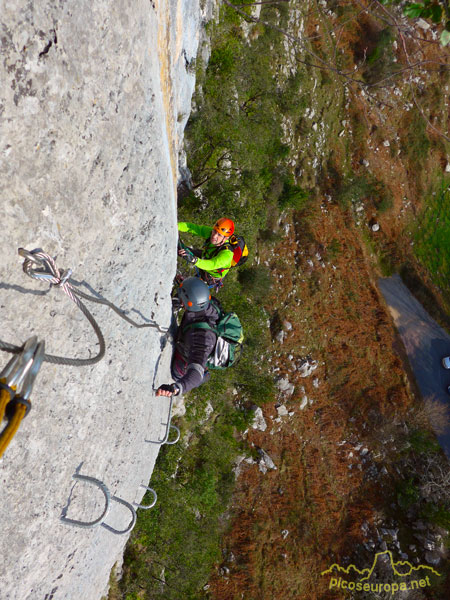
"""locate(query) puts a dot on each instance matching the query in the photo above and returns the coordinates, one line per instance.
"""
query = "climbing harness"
(212, 282)
(235, 244)
(41, 266)
(16, 384)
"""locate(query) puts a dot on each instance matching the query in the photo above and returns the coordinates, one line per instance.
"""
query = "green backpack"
(230, 337)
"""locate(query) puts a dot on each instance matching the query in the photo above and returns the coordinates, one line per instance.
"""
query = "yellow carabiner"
(19, 374)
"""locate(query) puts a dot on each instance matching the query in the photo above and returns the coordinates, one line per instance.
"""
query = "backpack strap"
(236, 245)
(203, 324)
(199, 325)
(215, 251)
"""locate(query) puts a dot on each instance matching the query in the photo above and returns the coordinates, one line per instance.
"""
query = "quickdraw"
(16, 384)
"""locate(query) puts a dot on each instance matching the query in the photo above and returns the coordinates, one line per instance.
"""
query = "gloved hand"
(188, 256)
(168, 389)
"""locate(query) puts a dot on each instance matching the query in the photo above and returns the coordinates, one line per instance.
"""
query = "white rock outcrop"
(282, 411)
(94, 98)
(259, 422)
(285, 387)
(307, 367)
(265, 462)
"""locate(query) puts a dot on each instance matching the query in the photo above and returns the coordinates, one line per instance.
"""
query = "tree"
(435, 10)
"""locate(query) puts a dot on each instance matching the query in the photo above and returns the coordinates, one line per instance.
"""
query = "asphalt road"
(426, 343)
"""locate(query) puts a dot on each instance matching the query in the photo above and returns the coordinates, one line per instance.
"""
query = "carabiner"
(30, 377)
(27, 255)
(16, 383)
(17, 368)
(43, 269)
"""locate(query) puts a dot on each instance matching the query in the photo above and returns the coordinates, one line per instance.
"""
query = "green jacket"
(213, 258)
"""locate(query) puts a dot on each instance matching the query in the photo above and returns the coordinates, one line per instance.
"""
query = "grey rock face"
(90, 101)
(280, 336)
(237, 467)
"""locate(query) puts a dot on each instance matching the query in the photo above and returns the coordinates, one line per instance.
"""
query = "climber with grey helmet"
(193, 345)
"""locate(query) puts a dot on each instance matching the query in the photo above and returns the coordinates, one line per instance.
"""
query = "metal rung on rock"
(101, 519)
(147, 506)
(132, 522)
(169, 426)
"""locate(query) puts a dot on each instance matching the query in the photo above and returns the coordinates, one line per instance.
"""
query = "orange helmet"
(225, 227)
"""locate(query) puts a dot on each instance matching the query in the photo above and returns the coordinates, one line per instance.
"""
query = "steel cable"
(48, 271)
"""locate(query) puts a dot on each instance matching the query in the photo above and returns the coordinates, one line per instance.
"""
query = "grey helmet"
(194, 294)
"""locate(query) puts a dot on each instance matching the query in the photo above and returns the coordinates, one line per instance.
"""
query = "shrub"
(432, 415)
(334, 249)
(423, 442)
(222, 60)
(364, 187)
(416, 144)
(292, 196)
(384, 204)
(256, 282)
(407, 493)
(380, 62)
(270, 235)
(437, 514)
(386, 264)
(432, 234)
(352, 190)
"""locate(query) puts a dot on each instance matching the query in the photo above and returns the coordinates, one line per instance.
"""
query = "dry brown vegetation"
(326, 270)
(337, 315)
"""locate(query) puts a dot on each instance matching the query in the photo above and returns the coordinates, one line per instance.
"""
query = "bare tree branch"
(318, 63)
(262, 2)
(322, 64)
(411, 87)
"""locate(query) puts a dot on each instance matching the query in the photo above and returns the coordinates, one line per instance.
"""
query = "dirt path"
(425, 343)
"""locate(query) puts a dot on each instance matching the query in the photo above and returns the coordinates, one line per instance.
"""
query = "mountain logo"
(368, 572)
(405, 575)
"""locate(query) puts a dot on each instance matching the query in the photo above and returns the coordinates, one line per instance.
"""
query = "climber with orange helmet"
(214, 259)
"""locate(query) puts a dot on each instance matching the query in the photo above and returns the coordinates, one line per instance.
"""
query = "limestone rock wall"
(94, 97)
